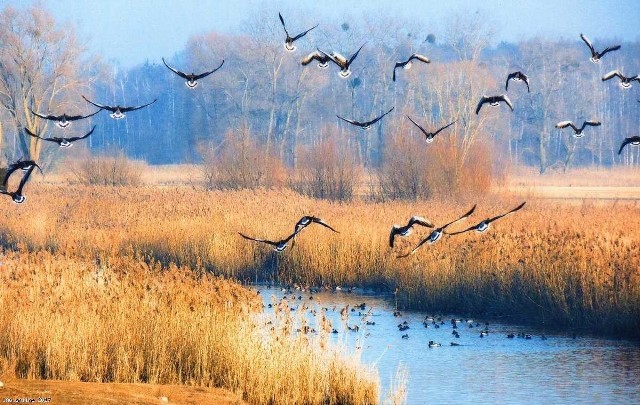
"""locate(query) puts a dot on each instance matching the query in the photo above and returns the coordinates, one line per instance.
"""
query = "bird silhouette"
(483, 225)
(595, 56)
(288, 42)
(430, 135)
(578, 131)
(63, 121)
(118, 112)
(407, 229)
(365, 124)
(409, 62)
(62, 141)
(192, 78)
(494, 101)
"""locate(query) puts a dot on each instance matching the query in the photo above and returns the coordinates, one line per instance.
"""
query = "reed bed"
(574, 267)
(118, 319)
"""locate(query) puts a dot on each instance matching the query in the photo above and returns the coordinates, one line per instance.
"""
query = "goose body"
(323, 60)
(365, 124)
(192, 78)
(278, 246)
(289, 40)
(118, 112)
(634, 140)
(625, 82)
(518, 77)
(406, 229)
(494, 101)
(577, 132)
(409, 62)
(17, 196)
(343, 63)
(306, 221)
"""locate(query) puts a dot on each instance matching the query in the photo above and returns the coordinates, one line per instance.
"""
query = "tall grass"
(123, 320)
(565, 265)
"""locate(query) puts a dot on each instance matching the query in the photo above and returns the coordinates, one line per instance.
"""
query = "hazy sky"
(132, 31)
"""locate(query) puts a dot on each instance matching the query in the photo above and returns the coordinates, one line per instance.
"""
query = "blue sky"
(132, 31)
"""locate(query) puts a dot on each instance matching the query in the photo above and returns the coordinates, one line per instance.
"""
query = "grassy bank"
(568, 265)
(117, 319)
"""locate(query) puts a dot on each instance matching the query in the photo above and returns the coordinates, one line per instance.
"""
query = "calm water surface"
(488, 370)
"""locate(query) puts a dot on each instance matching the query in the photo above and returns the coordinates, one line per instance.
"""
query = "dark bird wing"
(397, 65)
(46, 117)
(317, 55)
(416, 220)
(564, 124)
(392, 236)
(302, 34)
(613, 73)
(443, 128)
(589, 44)
(380, 117)
(174, 70)
(419, 127)
(261, 240)
(205, 74)
(12, 168)
(104, 107)
(25, 177)
(506, 213)
(321, 222)
(506, 100)
(356, 123)
(460, 218)
(77, 138)
(591, 124)
(127, 109)
(32, 134)
(483, 100)
(628, 141)
(355, 55)
(609, 49)
(422, 242)
(421, 58)
(283, 25)
(471, 228)
(509, 77)
(525, 79)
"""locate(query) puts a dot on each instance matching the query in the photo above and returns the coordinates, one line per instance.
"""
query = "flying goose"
(366, 124)
(342, 62)
(117, 112)
(322, 58)
(409, 62)
(192, 77)
(577, 131)
(625, 82)
(634, 140)
(278, 246)
(64, 120)
(494, 101)
(482, 226)
(595, 56)
(288, 42)
(436, 234)
(17, 195)
(23, 165)
(430, 135)
(306, 221)
(518, 77)
(62, 142)
(406, 229)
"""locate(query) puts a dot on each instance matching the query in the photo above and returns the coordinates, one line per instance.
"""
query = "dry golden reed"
(574, 266)
(118, 319)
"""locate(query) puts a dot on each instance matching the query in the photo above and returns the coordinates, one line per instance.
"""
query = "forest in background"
(265, 119)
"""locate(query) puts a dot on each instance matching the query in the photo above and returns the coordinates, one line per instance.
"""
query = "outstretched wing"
(356, 123)
(12, 168)
(319, 221)
(25, 177)
(397, 65)
(77, 138)
(317, 55)
(302, 34)
(609, 49)
(460, 218)
(589, 44)
(174, 70)
(506, 213)
(613, 73)
(283, 25)
(355, 55)
(564, 124)
(443, 128)
(380, 117)
(483, 100)
(416, 220)
(471, 228)
(46, 117)
(591, 124)
(394, 231)
(507, 101)
(32, 134)
(628, 141)
(127, 109)
(259, 240)
(205, 74)
(419, 127)
(421, 58)
(104, 107)
(422, 242)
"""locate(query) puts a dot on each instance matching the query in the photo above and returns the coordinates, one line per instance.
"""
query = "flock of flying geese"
(323, 58)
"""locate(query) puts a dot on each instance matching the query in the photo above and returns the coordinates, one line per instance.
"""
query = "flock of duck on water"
(63, 121)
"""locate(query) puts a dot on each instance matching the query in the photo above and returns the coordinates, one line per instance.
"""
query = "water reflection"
(492, 369)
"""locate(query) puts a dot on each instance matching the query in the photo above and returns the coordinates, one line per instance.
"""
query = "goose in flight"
(64, 120)
(308, 220)
(278, 246)
(436, 234)
(430, 135)
(406, 229)
(482, 226)
(192, 77)
(23, 165)
(577, 131)
(118, 112)
(409, 62)
(595, 56)
(62, 142)
(518, 77)
(342, 62)
(288, 42)
(494, 101)
(634, 140)
(322, 58)
(17, 195)
(625, 82)
(366, 124)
